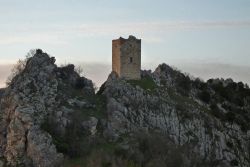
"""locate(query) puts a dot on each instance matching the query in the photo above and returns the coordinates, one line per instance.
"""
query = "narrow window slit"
(131, 59)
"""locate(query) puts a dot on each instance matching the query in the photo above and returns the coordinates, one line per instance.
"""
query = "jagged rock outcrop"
(50, 113)
(35, 95)
(171, 107)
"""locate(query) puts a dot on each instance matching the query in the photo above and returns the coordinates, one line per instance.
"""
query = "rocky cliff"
(210, 119)
(35, 94)
(50, 116)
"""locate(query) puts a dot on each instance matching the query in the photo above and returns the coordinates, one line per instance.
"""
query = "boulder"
(90, 125)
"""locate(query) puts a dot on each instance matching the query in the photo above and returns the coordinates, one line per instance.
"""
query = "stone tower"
(126, 57)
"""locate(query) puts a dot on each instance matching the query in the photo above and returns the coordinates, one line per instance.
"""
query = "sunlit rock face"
(34, 95)
(169, 102)
(48, 113)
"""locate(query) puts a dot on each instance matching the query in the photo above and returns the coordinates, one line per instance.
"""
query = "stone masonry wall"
(126, 57)
(116, 47)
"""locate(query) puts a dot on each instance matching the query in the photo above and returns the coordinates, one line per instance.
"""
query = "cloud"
(155, 27)
(95, 71)
(38, 37)
(99, 72)
(150, 31)
(217, 70)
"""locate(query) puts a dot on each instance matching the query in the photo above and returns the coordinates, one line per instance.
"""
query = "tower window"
(131, 59)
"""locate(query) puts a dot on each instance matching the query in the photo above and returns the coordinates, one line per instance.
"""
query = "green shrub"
(39, 51)
(157, 151)
(80, 83)
(239, 101)
(199, 84)
(229, 144)
(76, 142)
(234, 162)
(183, 84)
(106, 164)
(215, 111)
(205, 96)
(17, 69)
(230, 116)
(61, 144)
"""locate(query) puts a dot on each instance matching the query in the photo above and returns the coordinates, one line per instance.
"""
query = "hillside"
(51, 116)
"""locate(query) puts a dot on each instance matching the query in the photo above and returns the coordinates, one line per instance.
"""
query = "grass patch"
(104, 147)
(75, 162)
(183, 102)
(98, 111)
(146, 83)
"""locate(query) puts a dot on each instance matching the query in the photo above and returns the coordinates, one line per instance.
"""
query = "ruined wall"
(126, 57)
(116, 47)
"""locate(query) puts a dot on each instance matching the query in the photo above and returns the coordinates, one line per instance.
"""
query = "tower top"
(122, 40)
(126, 57)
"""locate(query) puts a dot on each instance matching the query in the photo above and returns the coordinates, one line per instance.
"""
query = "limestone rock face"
(184, 118)
(35, 95)
(209, 121)
(41, 149)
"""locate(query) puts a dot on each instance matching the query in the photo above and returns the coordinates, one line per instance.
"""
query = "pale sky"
(207, 38)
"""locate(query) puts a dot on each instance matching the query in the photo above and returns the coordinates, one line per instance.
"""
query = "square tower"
(126, 57)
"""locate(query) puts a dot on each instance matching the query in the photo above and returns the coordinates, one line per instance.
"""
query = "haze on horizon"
(204, 38)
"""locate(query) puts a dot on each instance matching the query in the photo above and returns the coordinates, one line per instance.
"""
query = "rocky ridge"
(172, 105)
(50, 115)
(30, 99)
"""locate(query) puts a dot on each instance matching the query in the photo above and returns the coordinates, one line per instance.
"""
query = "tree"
(79, 70)
(17, 69)
(19, 66)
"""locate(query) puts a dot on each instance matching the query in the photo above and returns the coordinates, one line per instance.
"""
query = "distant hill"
(51, 116)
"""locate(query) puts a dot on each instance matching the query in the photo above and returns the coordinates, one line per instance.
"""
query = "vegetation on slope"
(146, 83)
(224, 100)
